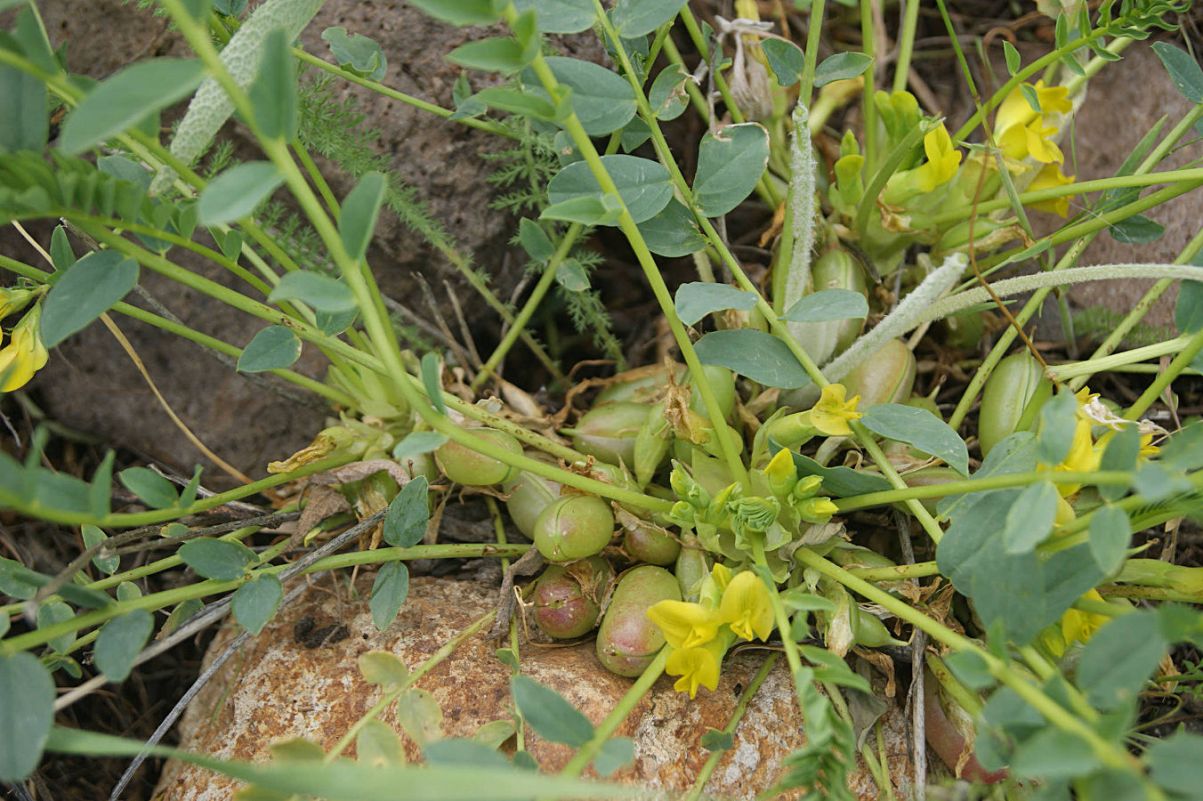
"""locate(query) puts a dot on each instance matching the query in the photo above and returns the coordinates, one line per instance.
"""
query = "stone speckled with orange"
(276, 688)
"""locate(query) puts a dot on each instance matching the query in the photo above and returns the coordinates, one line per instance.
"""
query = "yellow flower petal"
(942, 160)
(747, 607)
(781, 473)
(684, 625)
(1050, 176)
(24, 355)
(1040, 144)
(721, 575)
(697, 667)
(832, 413)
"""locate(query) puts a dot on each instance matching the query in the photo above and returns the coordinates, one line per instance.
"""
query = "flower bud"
(816, 510)
(754, 513)
(686, 488)
(567, 598)
(627, 640)
(608, 432)
(692, 568)
(465, 466)
(888, 376)
(574, 527)
(1011, 399)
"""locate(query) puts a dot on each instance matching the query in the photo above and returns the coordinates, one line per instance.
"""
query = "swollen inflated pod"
(567, 598)
(627, 641)
(1011, 399)
(888, 376)
(835, 269)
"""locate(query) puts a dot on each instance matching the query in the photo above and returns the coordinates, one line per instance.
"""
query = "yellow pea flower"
(942, 160)
(747, 607)
(1015, 109)
(25, 354)
(1034, 139)
(697, 667)
(1079, 626)
(832, 413)
(1083, 457)
(1050, 176)
(685, 625)
(721, 575)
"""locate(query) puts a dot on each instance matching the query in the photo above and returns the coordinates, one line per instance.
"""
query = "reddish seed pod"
(567, 598)
(627, 641)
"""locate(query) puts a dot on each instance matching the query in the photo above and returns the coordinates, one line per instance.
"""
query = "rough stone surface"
(275, 688)
(1122, 102)
(91, 384)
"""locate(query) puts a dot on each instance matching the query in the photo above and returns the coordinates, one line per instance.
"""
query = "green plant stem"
(737, 714)
(814, 34)
(319, 180)
(906, 44)
(1163, 380)
(34, 508)
(1099, 364)
(602, 732)
(1108, 753)
(784, 630)
(489, 126)
(207, 587)
(879, 575)
(872, 499)
(1079, 188)
(962, 695)
(868, 104)
(763, 188)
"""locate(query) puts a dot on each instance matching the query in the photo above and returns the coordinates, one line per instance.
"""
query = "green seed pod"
(651, 444)
(871, 632)
(465, 466)
(692, 568)
(627, 641)
(646, 542)
(608, 432)
(853, 556)
(1012, 396)
(835, 269)
(888, 376)
(722, 381)
(574, 527)
(567, 598)
(928, 477)
(529, 495)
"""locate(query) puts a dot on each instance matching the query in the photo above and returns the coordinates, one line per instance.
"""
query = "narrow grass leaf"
(432, 380)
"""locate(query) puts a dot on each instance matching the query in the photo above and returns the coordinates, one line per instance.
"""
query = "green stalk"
(34, 508)
(868, 106)
(489, 126)
(872, 499)
(699, 784)
(1109, 753)
(1163, 380)
(906, 44)
(581, 759)
(814, 34)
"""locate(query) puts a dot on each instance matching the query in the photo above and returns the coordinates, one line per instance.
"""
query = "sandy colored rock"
(276, 688)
